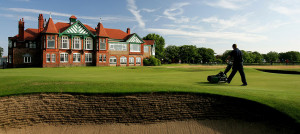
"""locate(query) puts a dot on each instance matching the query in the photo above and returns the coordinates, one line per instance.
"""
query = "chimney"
(128, 30)
(21, 30)
(41, 23)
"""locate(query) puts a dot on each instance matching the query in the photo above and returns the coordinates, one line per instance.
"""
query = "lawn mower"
(220, 77)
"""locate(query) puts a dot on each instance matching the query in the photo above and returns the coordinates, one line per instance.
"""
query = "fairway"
(279, 91)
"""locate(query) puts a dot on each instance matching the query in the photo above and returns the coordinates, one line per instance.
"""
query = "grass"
(280, 91)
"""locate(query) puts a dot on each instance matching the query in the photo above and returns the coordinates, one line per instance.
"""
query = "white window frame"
(103, 42)
(51, 38)
(131, 60)
(77, 57)
(88, 42)
(104, 58)
(64, 40)
(65, 57)
(112, 46)
(138, 60)
(53, 58)
(146, 47)
(48, 59)
(88, 57)
(113, 60)
(123, 60)
(76, 41)
(27, 59)
(132, 48)
(100, 58)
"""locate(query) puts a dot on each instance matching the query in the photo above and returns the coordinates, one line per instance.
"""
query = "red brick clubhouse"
(76, 44)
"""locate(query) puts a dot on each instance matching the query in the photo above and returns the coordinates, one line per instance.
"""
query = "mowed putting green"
(280, 91)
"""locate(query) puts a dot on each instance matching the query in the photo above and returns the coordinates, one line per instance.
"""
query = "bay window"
(138, 60)
(135, 47)
(113, 60)
(89, 43)
(53, 58)
(64, 42)
(76, 57)
(64, 57)
(123, 60)
(88, 57)
(48, 58)
(102, 44)
(76, 43)
(51, 41)
(131, 60)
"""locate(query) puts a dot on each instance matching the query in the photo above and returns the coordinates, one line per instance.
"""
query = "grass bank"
(280, 91)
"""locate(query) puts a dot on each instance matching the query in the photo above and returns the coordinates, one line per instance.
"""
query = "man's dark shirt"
(237, 56)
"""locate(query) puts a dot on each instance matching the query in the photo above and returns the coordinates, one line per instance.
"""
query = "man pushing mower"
(237, 56)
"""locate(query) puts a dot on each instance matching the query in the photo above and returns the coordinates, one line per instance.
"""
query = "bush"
(152, 61)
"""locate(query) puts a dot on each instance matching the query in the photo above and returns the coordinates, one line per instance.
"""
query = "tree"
(291, 56)
(187, 53)
(207, 54)
(159, 44)
(172, 54)
(1, 51)
(225, 55)
(257, 57)
(272, 56)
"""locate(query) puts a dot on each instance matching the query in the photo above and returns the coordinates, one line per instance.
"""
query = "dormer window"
(50, 41)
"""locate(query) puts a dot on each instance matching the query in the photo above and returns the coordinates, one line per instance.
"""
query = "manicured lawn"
(280, 91)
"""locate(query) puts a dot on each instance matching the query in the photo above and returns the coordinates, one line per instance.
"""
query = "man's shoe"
(244, 85)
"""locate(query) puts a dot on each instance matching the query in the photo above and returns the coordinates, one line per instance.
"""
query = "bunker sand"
(176, 127)
(139, 113)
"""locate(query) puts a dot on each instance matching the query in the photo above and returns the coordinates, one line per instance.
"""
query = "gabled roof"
(101, 31)
(116, 33)
(134, 38)
(79, 28)
(149, 42)
(50, 27)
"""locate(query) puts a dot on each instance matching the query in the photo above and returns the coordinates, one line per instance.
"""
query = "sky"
(254, 25)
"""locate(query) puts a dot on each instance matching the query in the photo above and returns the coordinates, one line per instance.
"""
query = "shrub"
(152, 61)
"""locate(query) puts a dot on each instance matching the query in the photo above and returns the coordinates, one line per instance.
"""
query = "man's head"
(234, 46)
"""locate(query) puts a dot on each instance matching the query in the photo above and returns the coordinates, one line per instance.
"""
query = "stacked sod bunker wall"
(142, 108)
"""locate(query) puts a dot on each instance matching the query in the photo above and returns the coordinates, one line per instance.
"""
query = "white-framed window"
(100, 58)
(9, 43)
(89, 43)
(27, 59)
(88, 57)
(15, 44)
(64, 57)
(104, 58)
(153, 50)
(51, 41)
(138, 60)
(131, 60)
(64, 42)
(146, 49)
(102, 44)
(53, 58)
(76, 57)
(32, 44)
(123, 60)
(76, 43)
(117, 46)
(9, 59)
(135, 47)
(112, 60)
(47, 58)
